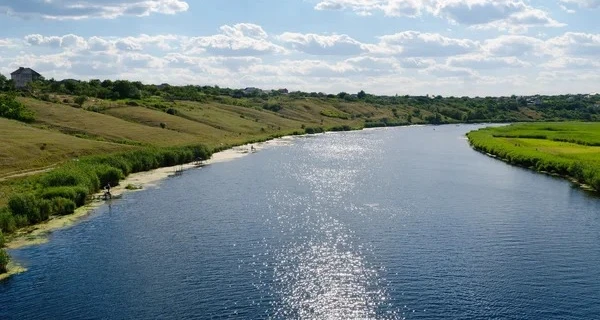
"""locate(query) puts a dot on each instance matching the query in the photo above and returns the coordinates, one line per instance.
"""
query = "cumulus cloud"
(410, 8)
(572, 63)
(243, 39)
(417, 44)
(445, 71)
(515, 45)
(66, 41)
(76, 9)
(484, 62)
(577, 44)
(512, 15)
(592, 4)
(323, 44)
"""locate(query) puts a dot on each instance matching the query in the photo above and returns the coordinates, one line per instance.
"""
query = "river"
(400, 223)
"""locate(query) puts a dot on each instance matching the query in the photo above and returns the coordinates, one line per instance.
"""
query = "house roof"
(21, 70)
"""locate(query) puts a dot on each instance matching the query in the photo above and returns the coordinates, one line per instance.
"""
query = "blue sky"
(447, 47)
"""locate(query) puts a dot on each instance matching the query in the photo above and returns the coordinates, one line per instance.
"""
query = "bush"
(76, 174)
(4, 260)
(2, 240)
(45, 209)
(21, 221)
(107, 174)
(118, 162)
(341, 128)
(311, 130)
(12, 109)
(80, 100)
(7, 221)
(63, 206)
(25, 205)
(172, 111)
(77, 194)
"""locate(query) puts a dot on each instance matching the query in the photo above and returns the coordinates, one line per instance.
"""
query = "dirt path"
(25, 173)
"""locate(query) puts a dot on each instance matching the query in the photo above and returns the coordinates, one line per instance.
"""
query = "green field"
(570, 149)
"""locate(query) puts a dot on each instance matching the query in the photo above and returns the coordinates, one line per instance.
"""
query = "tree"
(361, 95)
(3, 82)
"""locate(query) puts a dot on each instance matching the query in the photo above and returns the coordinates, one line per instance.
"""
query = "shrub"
(21, 221)
(275, 107)
(132, 103)
(63, 206)
(4, 259)
(45, 208)
(76, 174)
(118, 162)
(341, 128)
(107, 174)
(2, 240)
(80, 100)
(311, 130)
(12, 109)
(7, 221)
(77, 194)
(26, 205)
(172, 111)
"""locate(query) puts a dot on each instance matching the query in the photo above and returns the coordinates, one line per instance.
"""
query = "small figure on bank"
(107, 194)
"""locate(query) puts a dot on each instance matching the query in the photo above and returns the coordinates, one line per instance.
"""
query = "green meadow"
(570, 149)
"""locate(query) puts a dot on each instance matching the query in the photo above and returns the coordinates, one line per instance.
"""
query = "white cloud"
(417, 44)
(444, 71)
(76, 9)
(416, 63)
(99, 44)
(515, 45)
(572, 63)
(323, 44)
(484, 62)
(410, 8)
(577, 44)
(128, 44)
(592, 4)
(243, 39)
(512, 15)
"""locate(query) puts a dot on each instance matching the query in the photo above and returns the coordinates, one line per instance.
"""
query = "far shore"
(38, 234)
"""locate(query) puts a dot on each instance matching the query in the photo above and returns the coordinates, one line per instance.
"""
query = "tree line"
(442, 109)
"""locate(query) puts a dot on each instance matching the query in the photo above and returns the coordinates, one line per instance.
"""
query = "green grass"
(24, 147)
(570, 149)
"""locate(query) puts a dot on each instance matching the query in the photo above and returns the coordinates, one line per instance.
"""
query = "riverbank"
(566, 150)
(38, 234)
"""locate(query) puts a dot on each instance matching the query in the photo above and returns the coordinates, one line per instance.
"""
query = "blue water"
(403, 223)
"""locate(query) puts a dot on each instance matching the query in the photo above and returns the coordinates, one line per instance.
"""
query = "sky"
(436, 47)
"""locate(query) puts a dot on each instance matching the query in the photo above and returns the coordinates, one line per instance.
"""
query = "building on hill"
(22, 76)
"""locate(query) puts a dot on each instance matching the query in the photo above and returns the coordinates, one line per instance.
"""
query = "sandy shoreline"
(38, 234)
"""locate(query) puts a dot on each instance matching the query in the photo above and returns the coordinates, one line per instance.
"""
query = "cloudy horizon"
(445, 47)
